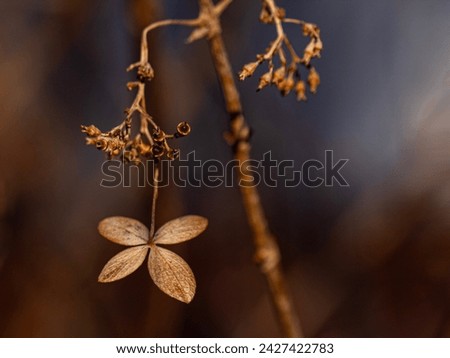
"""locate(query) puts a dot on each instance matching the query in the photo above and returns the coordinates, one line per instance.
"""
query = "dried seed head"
(248, 70)
(265, 17)
(173, 153)
(313, 80)
(318, 46)
(115, 152)
(145, 73)
(310, 30)
(144, 149)
(281, 13)
(286, 85)
(91, 131)
(183, 129)
(308, 52)
(265, 80)
(158, 151)
(116, 132)
(300, 90)
(158, 135)
(131, 85)
(101, 143)
(91, 141)
(278, 75)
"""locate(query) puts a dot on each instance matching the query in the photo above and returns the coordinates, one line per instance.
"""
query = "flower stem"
(155, 197)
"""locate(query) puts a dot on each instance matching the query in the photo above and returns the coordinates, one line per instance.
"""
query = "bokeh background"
(368, 260)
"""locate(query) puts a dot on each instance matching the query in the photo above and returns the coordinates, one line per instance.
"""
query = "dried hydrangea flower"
(168, 271)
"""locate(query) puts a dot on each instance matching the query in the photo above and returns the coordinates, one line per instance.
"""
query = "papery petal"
(171, 274)
(180, 229)
(124, 231)
(123, 264)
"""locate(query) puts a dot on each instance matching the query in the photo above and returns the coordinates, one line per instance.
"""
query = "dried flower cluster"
(168, 271)
(284, 74)
(149, 143)
(117, 142)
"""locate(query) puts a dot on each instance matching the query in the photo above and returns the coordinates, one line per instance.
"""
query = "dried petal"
(180, 229)
(123, 264)
(124, 231)
(171, 274)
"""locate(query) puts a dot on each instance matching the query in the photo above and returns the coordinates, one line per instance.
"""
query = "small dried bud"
(286, 85)
(115, 152)
(310, 30)
(115, 132)
(248, 70)
(145, 73)
(300, 90)
(173, 154)
(308, 53)
(265, 80)
(101, 143)
(157, 151)
(131, 85)
(278, 75)
(281, 13)
(114, 146)
(91, 141)
(318, 46)
(91, 131)
(144, 149)
(158, 135)
(265, 17)
(313, 80)
(131, 155)
(183, 129)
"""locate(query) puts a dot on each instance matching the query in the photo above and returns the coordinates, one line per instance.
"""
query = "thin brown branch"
(267, 251)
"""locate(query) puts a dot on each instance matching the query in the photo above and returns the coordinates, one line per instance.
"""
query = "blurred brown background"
(369, 260)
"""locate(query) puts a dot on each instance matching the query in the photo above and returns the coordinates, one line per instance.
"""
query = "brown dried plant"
(168, 270)
(282, 72)
(165, 267)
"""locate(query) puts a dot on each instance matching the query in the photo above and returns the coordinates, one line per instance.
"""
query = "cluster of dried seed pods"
(284, 64)
(117, 142)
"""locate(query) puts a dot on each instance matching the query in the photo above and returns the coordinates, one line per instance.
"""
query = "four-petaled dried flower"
(169, 271)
